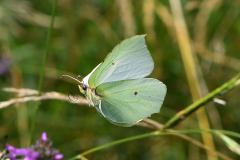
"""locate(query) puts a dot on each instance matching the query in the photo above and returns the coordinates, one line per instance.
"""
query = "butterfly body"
(117, 87)
(89, 92)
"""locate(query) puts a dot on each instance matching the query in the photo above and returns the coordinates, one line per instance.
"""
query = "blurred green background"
(85, 31)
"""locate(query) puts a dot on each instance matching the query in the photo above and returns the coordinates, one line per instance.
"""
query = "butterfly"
(117, 87)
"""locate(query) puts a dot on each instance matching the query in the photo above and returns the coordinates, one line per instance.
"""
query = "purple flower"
(21, 153)
(44, 137)
(42, 150)
(58, 156)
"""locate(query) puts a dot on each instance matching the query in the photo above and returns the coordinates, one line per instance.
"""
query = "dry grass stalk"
(32, 95)
(191, 69)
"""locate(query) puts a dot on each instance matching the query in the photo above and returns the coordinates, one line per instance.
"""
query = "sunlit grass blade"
(230, 143)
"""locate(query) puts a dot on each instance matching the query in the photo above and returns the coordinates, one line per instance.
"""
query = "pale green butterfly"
(117, 87)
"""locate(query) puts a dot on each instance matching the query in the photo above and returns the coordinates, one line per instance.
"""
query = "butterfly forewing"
(128, 101)
(128, 60)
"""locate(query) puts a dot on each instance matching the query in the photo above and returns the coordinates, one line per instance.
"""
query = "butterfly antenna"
(78, 77)
(71, 79)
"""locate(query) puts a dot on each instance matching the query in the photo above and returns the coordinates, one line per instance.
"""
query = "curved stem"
(124, 140)
(45, 55)
(180, 116)
(151, 134)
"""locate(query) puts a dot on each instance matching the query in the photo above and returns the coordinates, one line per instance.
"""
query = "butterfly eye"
(84, 87)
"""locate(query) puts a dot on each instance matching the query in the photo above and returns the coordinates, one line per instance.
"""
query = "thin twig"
(156, 125)
(149, 123)
(21, 91)
(38, 97)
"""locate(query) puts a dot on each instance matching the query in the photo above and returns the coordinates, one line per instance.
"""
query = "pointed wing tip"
(137, 36)
(142, 35)
(163, 86)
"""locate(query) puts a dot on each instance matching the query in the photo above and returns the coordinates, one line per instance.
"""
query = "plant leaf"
(230, 143)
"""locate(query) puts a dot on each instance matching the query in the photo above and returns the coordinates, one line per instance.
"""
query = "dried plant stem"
(221, 59)
(191, 69)
(201, 21)
(22, 123)
(38, 97)
(180, 116)
(165, 16)
(125, 12)
(148, 19)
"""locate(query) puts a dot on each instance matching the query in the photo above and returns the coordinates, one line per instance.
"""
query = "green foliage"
(84, 32)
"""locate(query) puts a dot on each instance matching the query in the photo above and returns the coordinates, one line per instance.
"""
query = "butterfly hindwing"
(128, 60)
(128, 101)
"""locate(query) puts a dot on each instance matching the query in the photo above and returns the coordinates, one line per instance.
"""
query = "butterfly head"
(82, 84)
(90, 94)
(83, 88)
